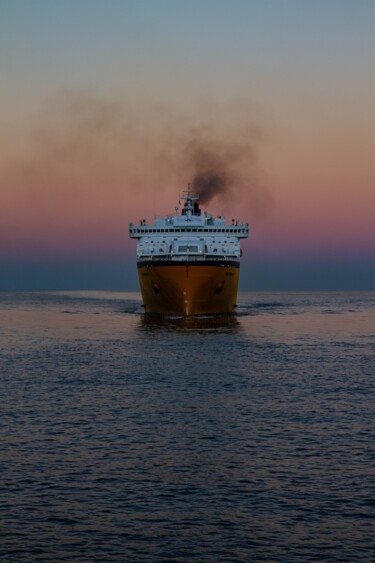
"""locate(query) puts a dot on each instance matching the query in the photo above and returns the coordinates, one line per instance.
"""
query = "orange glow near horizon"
(92, 168)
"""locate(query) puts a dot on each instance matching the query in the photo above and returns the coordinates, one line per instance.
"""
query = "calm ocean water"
(129, 439)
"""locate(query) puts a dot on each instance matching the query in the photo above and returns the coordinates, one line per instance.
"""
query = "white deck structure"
(190, 235)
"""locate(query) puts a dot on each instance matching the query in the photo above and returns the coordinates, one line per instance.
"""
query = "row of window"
(189, 248)
(189, 230)
(202, 239)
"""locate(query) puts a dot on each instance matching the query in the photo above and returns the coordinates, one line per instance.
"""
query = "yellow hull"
(189, 288)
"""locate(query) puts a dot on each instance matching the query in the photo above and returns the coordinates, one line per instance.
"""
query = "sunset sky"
(101, 100)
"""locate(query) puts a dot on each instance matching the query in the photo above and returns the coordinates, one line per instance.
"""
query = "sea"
(239, 439)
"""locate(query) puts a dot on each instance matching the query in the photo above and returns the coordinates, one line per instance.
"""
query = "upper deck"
(190, 234)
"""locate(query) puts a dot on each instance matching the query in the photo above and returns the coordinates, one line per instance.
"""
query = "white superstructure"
(189, 235)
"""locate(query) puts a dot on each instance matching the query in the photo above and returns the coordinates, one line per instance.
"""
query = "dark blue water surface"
(129, 439)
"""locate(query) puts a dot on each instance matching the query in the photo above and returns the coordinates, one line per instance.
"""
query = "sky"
(103, 104)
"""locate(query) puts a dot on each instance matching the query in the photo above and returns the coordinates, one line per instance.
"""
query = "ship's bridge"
(189, 235)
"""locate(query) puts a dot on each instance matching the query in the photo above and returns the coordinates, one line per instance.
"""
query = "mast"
(191, 205)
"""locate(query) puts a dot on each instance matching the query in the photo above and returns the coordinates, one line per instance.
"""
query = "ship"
(189, 262)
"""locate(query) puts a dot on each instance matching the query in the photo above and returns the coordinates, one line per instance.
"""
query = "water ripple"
(126, 438)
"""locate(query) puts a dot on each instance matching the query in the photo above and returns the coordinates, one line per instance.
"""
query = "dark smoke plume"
(224, 166)
(210, 177)
(209, 184)
(90, 158)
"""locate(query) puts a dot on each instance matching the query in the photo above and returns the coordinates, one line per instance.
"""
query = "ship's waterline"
(188, 263)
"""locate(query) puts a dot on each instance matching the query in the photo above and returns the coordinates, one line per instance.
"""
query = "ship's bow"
(189, 288)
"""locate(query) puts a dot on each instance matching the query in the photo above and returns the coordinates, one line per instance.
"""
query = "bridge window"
(189, 248)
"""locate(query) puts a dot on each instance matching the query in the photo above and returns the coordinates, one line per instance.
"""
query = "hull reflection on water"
(195, 322)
